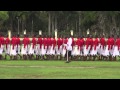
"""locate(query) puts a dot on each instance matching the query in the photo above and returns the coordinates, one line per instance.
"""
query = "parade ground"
(56, 69)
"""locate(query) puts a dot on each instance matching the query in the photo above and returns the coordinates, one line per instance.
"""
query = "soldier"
(94, 48)
(107, 49)
(32, 47)
(58, 48)
(81, 48)
(69, 49)
(52, 50)
(49, 45)
(39, 48)
(13, 48)
(1, 46)
(64, 49)
(102, 47)
(7, 46)
(112, 41)
(24, 47)
(116, 48)
(44, 46)
(18, 43)
(86, 48)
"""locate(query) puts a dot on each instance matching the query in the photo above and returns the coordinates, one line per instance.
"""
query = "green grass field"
(59, 69)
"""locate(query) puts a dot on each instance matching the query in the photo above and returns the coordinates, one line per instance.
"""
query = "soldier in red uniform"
(78, 44)
(32, 47)
(49, 46)
(116, 48)
(94, 47)
(39, 51)
(65, 40)
(13, 48)
(107, 49)
(44, 47)
(24, 47)
(58, 48)
(52, 50)
(82, 47)
(102, 47)
(7, 46)
(61, 46)
(1, 46)
(112, 41)
(119, 46)
(18, 43)
(27, 46)
(86, 48)
(90, 46)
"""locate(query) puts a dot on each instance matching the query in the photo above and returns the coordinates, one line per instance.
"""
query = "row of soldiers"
(47, 47)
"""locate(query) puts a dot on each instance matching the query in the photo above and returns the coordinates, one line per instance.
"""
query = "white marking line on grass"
(11, 66)
(45, 66)
(62, 67)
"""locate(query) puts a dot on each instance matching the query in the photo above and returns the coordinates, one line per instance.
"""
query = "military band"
(49, 48)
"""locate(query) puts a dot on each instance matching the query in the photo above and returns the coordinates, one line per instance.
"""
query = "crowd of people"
(48, 48)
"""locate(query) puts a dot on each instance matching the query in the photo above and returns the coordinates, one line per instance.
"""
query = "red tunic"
(62, 42)
(59, 42)
(82, 43)
(34, 42)
(28, 41)
(111, 42)
(7, 41)
(45, 42)
(108, 43)
(95, 43)
(1, 41)
(65, 41)
(18, 41)
(102, 42)
(82, 40)
(78, 43)
(53, 42)
(48, 42)
(39, 42)
(87, 43)
(13, 42)
(24, 42)
(91, 43)
(117, 43)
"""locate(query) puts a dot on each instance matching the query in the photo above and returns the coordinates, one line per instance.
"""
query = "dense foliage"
(97, 22)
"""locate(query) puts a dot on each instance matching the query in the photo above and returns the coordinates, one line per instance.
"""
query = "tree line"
(98, 22)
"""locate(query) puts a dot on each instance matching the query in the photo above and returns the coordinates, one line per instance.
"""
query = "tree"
(3, 18)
